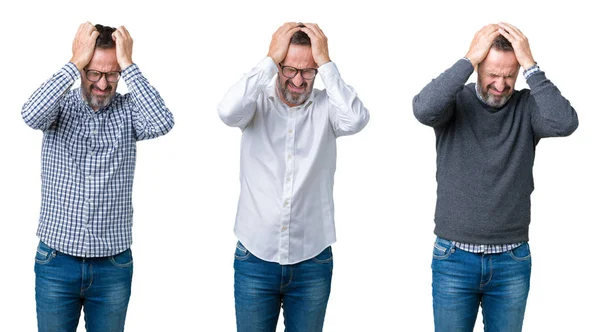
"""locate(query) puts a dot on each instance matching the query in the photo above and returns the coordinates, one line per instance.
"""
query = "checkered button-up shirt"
(88, 160)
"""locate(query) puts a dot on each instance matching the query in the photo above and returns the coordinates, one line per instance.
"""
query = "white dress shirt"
(288, 154)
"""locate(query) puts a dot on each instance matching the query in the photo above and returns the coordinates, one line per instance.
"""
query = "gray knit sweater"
(485, 155)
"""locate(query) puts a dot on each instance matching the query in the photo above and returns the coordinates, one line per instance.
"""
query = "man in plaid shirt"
(88, 161)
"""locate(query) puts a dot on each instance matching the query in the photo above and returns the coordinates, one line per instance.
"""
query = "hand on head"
(124, 44)
(84, 45)
(280, 42)
(519, 43)
(484, 38)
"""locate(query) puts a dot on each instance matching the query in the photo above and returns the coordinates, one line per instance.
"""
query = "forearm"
(41, 110)
(347, 113)
(150, 116)
(552, 113)
(434, 105)
(239, 103)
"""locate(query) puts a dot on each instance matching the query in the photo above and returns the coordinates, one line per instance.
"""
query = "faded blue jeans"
(463, 280)
(262, 288)
(64, 284)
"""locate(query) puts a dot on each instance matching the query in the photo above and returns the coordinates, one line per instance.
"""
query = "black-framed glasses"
(95, 76)
(306, 73)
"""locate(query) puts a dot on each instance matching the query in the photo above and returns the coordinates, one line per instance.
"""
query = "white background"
(186, 186)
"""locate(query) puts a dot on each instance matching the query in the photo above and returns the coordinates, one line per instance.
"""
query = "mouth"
(97, 91)
(296, 89)
(498, 93)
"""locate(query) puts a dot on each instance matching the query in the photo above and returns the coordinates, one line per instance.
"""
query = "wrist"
(79, 64)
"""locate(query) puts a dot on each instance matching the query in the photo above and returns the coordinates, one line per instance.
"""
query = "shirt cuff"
(329, 69)
(71, 70)
(530, 71)
(267, 64)
(131, 73)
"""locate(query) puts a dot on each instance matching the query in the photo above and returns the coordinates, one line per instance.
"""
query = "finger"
(488, 29)
(86, 28)
(124, 32)
(315, 29)
(510, 26)
(288, 35)
(288, 26)
(311, 34)
(511, 30)
(116, 35)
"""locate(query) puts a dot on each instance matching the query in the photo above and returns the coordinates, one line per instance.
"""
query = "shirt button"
(288, 179)
(94, 132)
(284, 228)
(289, 156)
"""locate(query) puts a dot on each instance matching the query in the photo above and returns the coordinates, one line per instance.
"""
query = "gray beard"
(96, 102)
(490, 100)
(289, 96)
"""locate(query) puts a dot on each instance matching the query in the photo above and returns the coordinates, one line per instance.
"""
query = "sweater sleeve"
(552, 114)
(435, 104)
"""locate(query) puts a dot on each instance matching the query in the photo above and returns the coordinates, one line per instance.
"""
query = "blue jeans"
(463, 280)
(261, 288)
(64, 284)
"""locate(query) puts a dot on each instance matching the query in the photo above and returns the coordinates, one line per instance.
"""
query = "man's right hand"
(481, 44)
(280, 42)
(84, 45)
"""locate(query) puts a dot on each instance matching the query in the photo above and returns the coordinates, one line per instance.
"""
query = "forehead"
(299, 56)
(500, 62)
(104, 60)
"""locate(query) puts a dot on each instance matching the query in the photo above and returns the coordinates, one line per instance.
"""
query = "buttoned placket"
(92, 125)
(288, 182)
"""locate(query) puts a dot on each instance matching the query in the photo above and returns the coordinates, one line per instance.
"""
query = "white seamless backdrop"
(186, 185)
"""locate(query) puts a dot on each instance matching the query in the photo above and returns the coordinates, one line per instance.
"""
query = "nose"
(298, 80)
(500, 84)
(102, 83)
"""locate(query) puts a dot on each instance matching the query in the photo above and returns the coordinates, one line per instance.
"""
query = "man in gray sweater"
(486, 135)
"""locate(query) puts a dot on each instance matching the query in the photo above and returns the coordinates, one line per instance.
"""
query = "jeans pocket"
(442, 248)
(325, 257)
(122, 260)
(520, 253)
(241, 253)
(44, 254)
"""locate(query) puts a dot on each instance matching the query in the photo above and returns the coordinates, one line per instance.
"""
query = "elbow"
(355, 123)
(170, 123)
(26, 114)
(424, 116)
(228, 116)
(422, 113)
(569, 127)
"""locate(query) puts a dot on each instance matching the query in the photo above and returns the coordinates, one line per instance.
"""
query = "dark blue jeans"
(64, 284)
(262, 288)
(463, 280)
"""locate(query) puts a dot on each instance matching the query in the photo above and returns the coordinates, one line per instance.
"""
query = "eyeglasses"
(306, 73)
(95, 76)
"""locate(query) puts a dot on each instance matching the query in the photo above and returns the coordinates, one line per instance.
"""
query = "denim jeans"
(64, 284)
(463, 280)
(262, 288)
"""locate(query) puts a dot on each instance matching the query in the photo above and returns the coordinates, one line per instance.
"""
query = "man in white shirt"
(285, 222)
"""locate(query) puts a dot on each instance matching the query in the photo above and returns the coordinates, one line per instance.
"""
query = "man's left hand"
(318, 42)
(519, 43)
(124, 47)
